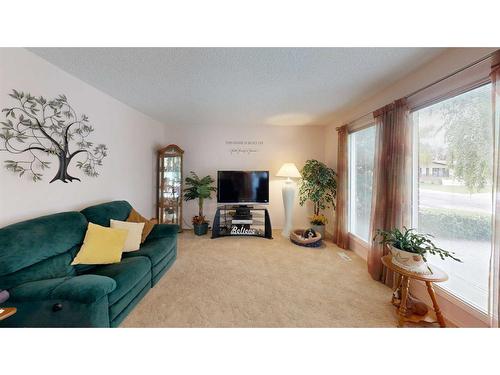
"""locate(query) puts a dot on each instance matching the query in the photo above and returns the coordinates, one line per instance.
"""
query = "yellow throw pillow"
(136, 217)
(134, 235)
(101, 245)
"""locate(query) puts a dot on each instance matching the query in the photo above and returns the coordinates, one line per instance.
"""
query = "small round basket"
(297, 239)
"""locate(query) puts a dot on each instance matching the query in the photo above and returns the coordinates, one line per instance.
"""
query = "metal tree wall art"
(35, 129)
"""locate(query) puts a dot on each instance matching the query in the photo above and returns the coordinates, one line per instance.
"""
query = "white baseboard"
(455, 311)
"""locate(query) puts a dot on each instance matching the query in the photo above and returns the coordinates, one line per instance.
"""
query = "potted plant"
(409, 249)
(318, 223)
(320, 187)
(201, 189)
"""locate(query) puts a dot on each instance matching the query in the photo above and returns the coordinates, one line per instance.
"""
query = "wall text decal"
(244, 147)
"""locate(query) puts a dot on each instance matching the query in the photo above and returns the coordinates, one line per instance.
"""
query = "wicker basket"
(296, 238)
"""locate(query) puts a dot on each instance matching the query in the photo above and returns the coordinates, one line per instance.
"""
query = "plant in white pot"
(409, 249)
(201, 189)
(318, 223)
(319, 186)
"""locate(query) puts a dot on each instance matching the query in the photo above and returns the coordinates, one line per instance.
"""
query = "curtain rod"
(436, 82)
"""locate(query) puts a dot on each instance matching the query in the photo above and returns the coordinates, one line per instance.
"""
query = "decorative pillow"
(136, 217)
(134, 236)
(101, 245)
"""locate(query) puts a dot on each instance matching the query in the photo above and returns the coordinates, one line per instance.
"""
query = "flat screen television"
(243, 187)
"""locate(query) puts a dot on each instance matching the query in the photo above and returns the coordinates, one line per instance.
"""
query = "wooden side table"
(405, 277)
(5, 312)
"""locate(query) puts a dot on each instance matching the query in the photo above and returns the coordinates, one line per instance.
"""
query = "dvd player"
(242, 221)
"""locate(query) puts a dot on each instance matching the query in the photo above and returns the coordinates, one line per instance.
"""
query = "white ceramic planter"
(409, 261)
(320, 229)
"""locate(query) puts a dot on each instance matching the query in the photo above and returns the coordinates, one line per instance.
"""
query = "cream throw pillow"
(133, 241)
(101, 245)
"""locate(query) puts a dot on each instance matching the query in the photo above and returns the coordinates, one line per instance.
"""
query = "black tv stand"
(242, 220)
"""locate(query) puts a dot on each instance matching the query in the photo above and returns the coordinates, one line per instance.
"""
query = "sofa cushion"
(101, 214)
(32, 241)
(127, 274)
(84, 289)
(51, 268)
(155, 249)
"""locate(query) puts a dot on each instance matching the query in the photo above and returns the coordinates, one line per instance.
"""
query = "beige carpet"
(254, 282)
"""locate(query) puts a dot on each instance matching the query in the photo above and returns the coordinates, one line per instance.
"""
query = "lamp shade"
(289, 170)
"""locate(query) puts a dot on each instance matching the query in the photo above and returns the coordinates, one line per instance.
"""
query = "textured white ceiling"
(239, 86)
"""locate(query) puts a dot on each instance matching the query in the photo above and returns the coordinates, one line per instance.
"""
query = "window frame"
(369, 124)
(452, 297)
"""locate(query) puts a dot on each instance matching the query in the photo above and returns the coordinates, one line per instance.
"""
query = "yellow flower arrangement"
(318, 220)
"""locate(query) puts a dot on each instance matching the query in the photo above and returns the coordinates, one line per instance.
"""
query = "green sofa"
(35, 267)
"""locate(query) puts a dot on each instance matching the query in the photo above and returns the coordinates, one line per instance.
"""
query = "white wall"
(132, 139)
(129, 171)
(206, 152)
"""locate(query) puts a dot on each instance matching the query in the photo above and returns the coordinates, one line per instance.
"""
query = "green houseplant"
(319, 186)
(409, 248)
(201, 189)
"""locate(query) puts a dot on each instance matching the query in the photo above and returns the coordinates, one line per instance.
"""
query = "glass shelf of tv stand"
(255, 223)
(223, 225)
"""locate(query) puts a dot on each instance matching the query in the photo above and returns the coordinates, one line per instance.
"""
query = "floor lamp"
(288, 170)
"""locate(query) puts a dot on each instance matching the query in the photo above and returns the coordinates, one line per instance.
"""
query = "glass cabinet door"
(170, 185)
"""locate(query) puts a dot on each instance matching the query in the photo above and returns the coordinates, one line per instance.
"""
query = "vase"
(409, 261)
(200, 229)
(320, 229)
(288, 193)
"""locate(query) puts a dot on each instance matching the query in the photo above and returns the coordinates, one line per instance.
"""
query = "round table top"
(7, 311)
(437, 275)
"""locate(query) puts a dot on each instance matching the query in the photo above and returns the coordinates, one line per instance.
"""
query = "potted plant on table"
(319, 186)
(201, 189)
(409, 249)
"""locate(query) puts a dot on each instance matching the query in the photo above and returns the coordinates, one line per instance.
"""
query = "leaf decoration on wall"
(39, 131)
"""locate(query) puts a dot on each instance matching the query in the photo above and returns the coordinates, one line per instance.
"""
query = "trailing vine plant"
(411, 241)
(36, 129)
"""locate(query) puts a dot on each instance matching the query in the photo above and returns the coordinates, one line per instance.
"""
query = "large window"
(453, 150)
(361, 158)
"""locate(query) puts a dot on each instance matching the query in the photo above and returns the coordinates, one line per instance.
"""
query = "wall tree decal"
(36, 128)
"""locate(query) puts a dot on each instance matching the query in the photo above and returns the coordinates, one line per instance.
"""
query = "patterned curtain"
(494, 300)
(391, 193)
(341, 234)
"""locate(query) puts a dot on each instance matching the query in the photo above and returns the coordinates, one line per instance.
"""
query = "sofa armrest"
(85, 288)
(163, 230)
